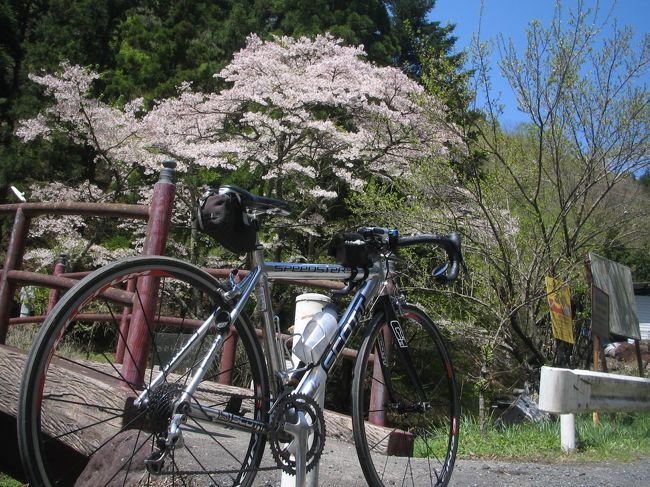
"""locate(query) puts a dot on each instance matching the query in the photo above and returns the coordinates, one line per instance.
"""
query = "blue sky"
(511, 18)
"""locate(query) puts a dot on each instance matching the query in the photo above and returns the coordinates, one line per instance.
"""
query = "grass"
(6, 481)
(619, 437)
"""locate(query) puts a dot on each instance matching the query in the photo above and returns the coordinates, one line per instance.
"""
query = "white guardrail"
(566, 392)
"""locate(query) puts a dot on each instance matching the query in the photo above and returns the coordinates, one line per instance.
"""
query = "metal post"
(596, 350)
(307, 305)
(13, 261)
(639, 360)
(59, 268)
(142, 319)
(568, 432)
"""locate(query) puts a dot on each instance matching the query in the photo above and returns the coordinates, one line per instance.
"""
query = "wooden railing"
(158, 216)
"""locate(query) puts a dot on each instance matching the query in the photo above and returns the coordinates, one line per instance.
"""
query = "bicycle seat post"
(274, 352)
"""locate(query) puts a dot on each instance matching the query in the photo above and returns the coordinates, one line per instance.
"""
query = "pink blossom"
(303, 111)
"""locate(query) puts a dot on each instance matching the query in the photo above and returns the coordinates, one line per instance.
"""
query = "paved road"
(339, 467)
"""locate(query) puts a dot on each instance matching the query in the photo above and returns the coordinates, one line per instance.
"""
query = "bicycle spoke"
(98, 428)
(412, 412)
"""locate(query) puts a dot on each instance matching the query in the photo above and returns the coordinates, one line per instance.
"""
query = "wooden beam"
(86, 397)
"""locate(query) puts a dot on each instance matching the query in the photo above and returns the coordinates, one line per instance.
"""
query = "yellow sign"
(559, 301)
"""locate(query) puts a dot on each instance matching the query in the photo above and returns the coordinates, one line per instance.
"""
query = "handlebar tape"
(450, 243)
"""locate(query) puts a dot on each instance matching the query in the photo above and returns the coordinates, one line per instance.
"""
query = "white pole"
(568, 432)
(307, 305)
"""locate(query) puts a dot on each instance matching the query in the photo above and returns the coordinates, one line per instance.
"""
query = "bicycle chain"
(285, 409)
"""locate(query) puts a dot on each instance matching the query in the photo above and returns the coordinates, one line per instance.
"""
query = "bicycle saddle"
(257, 203)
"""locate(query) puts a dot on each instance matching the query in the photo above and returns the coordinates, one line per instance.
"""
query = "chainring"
(286, 411)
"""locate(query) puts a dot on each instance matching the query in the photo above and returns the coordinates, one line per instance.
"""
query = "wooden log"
(96, 401)
(85, 397)
(11, 371)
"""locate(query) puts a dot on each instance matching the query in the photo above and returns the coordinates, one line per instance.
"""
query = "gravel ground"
(339, 467)
(603, 474)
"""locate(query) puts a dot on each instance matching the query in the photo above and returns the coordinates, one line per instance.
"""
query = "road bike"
(193, 395)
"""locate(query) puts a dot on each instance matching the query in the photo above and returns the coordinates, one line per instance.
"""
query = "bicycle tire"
(412, 447)
(76, 419)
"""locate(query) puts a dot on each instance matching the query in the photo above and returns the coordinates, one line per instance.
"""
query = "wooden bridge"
(158, 215)
(110, 393)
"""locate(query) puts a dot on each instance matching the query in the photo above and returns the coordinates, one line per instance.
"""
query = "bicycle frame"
(279, 271)
(258, 280)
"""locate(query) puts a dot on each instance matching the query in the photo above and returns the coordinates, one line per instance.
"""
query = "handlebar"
(445, 273)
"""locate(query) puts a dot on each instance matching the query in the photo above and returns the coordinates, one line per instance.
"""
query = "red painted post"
(229, 352)
(377, 414)
(125, 321)
(59, 268)
(142, 319)
(228, 358)
(13, 261)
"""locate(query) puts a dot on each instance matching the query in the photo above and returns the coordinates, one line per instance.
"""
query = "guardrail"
(566, 392)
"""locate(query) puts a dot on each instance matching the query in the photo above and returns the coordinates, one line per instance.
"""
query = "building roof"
(642, 288)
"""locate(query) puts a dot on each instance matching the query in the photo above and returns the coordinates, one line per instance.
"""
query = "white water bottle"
(316, 336)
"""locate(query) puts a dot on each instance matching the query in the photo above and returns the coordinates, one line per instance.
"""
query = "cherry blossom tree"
(308, 117)
(70, 234)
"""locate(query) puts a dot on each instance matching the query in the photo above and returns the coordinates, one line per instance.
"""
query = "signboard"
(599, 312)
(559, 302)
(616, 280)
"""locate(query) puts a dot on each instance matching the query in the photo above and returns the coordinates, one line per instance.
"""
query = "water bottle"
(316, 336)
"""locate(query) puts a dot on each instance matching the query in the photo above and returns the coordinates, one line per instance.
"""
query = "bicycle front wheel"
(78, 424)
(405, 413)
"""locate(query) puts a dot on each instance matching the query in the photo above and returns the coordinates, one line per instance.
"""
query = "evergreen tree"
(36, 35)
(146, 48)
(357, 22)
(414, 33)
(161, 44)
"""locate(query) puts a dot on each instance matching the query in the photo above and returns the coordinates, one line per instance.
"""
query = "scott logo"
(398, 333)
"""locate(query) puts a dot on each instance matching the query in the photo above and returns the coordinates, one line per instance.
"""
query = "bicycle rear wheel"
(77, 421)
(404, 437)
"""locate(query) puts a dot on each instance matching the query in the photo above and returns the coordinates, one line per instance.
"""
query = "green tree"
(37, 35)
(158, 45)
(548, 192)
(560, 185)
(357, 22)
(416, 33)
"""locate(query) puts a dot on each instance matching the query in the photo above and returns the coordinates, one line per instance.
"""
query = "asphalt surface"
(339, 467)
